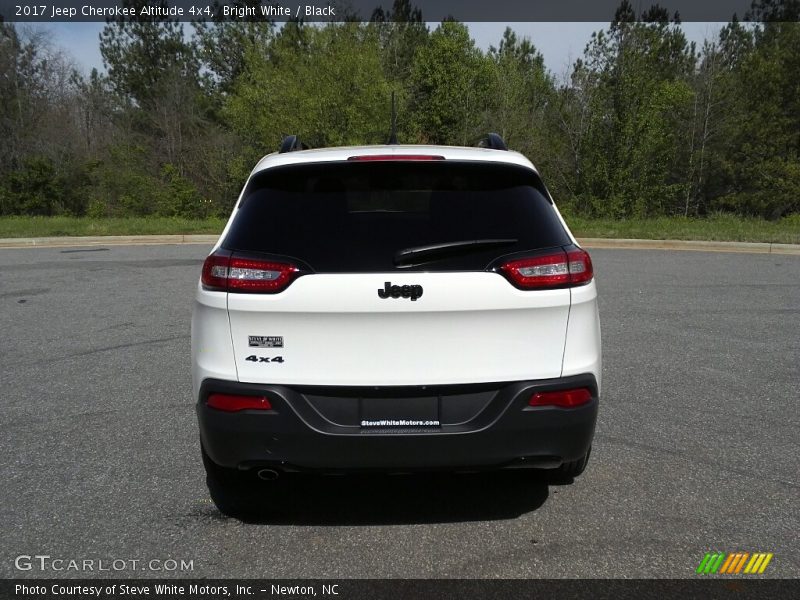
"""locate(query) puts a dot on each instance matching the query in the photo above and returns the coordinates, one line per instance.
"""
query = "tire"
(572, 469)
(237, 494)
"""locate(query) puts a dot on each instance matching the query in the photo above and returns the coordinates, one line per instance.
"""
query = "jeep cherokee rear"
(394, 308)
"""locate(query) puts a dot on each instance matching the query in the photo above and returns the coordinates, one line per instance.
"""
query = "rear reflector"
(234, 402)
(228, 273)
(377, 157)
(561, 269)
(562, 398)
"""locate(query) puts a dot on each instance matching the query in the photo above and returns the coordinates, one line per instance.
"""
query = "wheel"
(571, 469)
(237, 494)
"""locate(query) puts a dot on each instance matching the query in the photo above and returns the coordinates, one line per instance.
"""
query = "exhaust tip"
(268, 474)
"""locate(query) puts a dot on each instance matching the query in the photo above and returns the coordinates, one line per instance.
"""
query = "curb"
(601, 243)
(699, 246)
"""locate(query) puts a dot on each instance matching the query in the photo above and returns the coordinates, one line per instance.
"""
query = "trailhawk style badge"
(265, 341)
(400, 291)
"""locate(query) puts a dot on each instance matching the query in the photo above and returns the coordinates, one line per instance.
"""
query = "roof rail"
(492, 141)
(291, 143)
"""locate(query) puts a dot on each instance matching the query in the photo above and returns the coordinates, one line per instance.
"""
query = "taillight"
(562, 398)
(235, 402)
(561, 269)
(215, 272)
(228, 273)
(382, 157)
(580, 267)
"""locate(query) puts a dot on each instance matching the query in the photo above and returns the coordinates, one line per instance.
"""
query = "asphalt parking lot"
(696, 446)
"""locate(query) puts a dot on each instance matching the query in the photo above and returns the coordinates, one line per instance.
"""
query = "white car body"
(409, 344)
(333, 347)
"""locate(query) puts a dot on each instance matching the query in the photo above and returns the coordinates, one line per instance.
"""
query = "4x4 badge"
(400, 291)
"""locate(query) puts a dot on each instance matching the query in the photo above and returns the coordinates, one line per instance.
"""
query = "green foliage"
(772, 189)
(518, 104)
(140, 53)
(223, 46)
(401, 32)
(324, 83)
(644, 126)
(32, 190)
(38, 188)
(635, 78)
(715, 226)
(180, 197)
(449, 83)
(124, 186)
(27, 226)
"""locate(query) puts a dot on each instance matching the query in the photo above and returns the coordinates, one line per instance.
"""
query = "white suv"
(394, 308)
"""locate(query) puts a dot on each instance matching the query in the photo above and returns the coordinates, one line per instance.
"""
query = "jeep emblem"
(400, 291)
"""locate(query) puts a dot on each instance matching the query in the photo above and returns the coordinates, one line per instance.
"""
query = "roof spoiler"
(292, 143)
(492, 141)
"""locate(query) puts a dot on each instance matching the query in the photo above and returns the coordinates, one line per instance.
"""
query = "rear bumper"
(502, 432)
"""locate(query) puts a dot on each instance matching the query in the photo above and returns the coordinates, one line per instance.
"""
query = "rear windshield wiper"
(420, 254)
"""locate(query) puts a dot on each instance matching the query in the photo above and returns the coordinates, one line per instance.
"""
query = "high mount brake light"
(231, 273)
(557, 270)
(399, 157)
(561, 398)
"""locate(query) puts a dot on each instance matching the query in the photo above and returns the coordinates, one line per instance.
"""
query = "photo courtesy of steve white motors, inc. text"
(124, 589)
(171, 590)
(69, 10)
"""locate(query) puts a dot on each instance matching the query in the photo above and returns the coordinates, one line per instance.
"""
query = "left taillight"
(235, 402)
(557, 270)
(227, 272)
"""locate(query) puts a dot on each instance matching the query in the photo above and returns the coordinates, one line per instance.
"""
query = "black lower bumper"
(313, 428)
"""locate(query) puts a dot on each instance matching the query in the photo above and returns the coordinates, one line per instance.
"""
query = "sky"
(559, 43)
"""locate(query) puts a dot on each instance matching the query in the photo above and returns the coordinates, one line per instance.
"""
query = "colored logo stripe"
(711, 562)
(733, 563)
(758, 563)
(727, 564)
(736, 563)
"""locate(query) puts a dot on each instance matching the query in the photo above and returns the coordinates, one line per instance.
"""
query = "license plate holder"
(388, 413)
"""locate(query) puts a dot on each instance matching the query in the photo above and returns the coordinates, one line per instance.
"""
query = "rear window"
(357, 216)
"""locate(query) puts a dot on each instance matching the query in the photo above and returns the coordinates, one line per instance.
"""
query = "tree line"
(645, 123)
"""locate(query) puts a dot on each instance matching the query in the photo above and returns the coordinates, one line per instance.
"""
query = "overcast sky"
(560, 43)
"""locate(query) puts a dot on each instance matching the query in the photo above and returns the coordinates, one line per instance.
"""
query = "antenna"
(393, 134)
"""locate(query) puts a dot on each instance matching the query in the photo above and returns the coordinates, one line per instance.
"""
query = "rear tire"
(572, 469)
(237, 494)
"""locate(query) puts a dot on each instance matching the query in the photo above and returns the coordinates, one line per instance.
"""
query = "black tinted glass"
(356, 216)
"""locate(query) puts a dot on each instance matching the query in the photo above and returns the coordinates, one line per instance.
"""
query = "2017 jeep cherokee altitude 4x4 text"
(394, 308)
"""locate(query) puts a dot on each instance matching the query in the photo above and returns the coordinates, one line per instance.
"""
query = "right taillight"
(230, 273)
(580, 267)
(556, 270)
